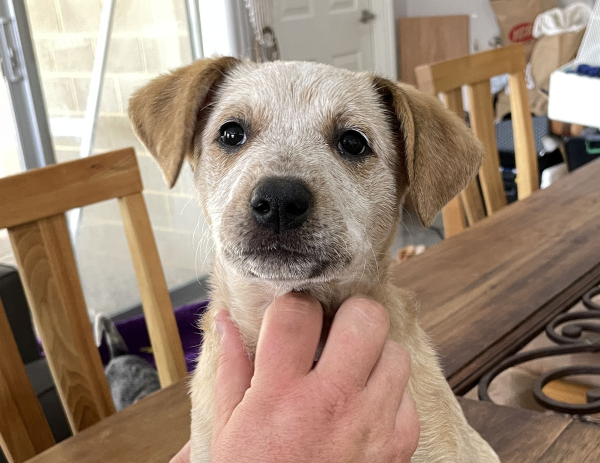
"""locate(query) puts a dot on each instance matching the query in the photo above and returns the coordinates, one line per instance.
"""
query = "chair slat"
(471, 196)
(453, 217)
(24, 431)
(47, 267)
(449, 75)
(474, 71)
(52, 190)
(525, 154)
(482, 123)
(166, 343)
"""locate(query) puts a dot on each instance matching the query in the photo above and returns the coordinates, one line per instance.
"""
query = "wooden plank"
(452, 74)
(52, 190)
(567, 391)
(525, 155)
(24, 431)
(47, 267)
(152, 430)
(488, 288)
(578, 443)
(453, 218)
(471, 197)
(517, 435)
(430, 39)
(512, 341)
(158, 311)
(482, 122)
(453, 101)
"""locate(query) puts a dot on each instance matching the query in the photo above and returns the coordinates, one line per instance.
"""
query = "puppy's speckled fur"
(292, 112)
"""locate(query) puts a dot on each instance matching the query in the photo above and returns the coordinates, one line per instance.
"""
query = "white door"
(343, 33)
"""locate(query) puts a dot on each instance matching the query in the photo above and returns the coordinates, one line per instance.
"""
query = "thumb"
(234, 371)
(183, 456)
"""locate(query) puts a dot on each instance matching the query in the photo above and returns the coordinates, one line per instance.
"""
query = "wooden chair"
(474, 71)
(32, 208)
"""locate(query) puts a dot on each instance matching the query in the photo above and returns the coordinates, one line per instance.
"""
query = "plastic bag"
(516, 18)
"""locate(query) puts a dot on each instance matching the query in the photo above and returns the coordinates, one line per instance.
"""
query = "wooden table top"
(153, 430)
(487, 291)
(484, 293)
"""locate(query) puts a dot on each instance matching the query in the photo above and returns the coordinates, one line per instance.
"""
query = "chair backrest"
(474, 71)
(32, 208)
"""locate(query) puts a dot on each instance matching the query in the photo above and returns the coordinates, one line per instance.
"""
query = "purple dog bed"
(135, 334)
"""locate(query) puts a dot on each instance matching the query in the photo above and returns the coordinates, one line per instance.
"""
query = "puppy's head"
(301, 168)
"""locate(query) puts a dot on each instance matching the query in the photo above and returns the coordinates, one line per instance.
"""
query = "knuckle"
(334, 398)
(372, 311)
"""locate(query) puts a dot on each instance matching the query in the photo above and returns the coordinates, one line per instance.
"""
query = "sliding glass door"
(138, 40)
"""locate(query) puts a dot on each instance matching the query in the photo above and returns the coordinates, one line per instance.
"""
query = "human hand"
(351, 407)
(183, 456)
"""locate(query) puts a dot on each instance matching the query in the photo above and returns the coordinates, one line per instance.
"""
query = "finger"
(389, 377)
(356, 339)
(183, 456)
(288, 338)
(408, 428)
(234, 370)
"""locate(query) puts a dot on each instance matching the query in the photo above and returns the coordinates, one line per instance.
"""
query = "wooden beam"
(53, 190)
(471, 196)
(525, 155)
(166, 343)
(453, 218)
(47, 267)
(482, 122)
(452, 74)
(24, 431)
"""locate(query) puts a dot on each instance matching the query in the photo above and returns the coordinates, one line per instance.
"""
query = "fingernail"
(219, 322)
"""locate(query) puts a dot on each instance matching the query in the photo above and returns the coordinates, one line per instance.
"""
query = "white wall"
(483, 22)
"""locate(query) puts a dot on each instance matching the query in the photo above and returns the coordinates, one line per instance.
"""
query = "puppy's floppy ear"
(442, 155)
(164, 113)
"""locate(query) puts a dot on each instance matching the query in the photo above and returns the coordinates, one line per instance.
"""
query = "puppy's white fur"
(292, 112)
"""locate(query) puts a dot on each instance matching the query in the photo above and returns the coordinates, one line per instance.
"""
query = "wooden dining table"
(484, 294)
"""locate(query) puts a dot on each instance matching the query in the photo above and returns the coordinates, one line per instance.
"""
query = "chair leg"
(454, 217)
(24, 431)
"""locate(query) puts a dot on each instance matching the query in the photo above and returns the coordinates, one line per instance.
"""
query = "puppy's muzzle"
(279, 204)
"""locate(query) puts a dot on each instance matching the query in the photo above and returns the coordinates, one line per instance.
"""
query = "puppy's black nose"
(280, 204)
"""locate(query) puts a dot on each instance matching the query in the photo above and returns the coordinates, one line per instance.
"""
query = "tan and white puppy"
(301, 170)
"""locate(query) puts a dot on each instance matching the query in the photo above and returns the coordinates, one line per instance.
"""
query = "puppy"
(301, 170)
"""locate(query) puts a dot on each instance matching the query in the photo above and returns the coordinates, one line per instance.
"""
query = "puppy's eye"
(353, 143)
(232, 134)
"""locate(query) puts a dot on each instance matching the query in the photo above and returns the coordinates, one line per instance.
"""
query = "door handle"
(367, 16)
(8, 53)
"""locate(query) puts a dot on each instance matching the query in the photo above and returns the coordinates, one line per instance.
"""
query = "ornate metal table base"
(569, 341)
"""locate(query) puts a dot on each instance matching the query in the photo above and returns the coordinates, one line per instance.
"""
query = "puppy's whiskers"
(412, 240)
(376, 268)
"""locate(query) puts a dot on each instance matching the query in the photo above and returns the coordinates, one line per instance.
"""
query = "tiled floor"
(107, 273)
(410, 232)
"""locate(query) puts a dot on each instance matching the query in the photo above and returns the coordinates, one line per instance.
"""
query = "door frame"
(26, 98)
(385, 54)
